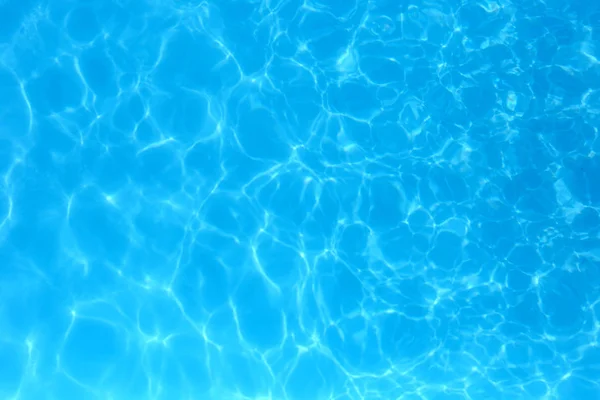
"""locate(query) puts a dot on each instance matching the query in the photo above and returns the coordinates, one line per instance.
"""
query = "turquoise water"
(299, 200)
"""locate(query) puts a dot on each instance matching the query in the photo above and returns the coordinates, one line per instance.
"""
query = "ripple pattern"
(299, 200)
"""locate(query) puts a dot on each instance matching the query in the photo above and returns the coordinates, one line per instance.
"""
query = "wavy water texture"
(299, 199)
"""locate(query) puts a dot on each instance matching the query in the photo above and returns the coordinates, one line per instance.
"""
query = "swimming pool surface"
(299, 200)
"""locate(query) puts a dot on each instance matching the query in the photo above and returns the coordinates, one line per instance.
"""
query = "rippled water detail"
(299, 200)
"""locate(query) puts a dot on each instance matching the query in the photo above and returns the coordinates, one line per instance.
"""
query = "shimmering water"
(299, 200)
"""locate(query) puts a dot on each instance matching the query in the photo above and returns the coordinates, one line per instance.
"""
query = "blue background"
(299, 200)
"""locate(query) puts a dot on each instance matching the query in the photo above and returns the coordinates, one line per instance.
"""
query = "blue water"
(299, 200)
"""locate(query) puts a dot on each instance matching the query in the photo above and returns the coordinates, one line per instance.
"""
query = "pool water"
(299, 200)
